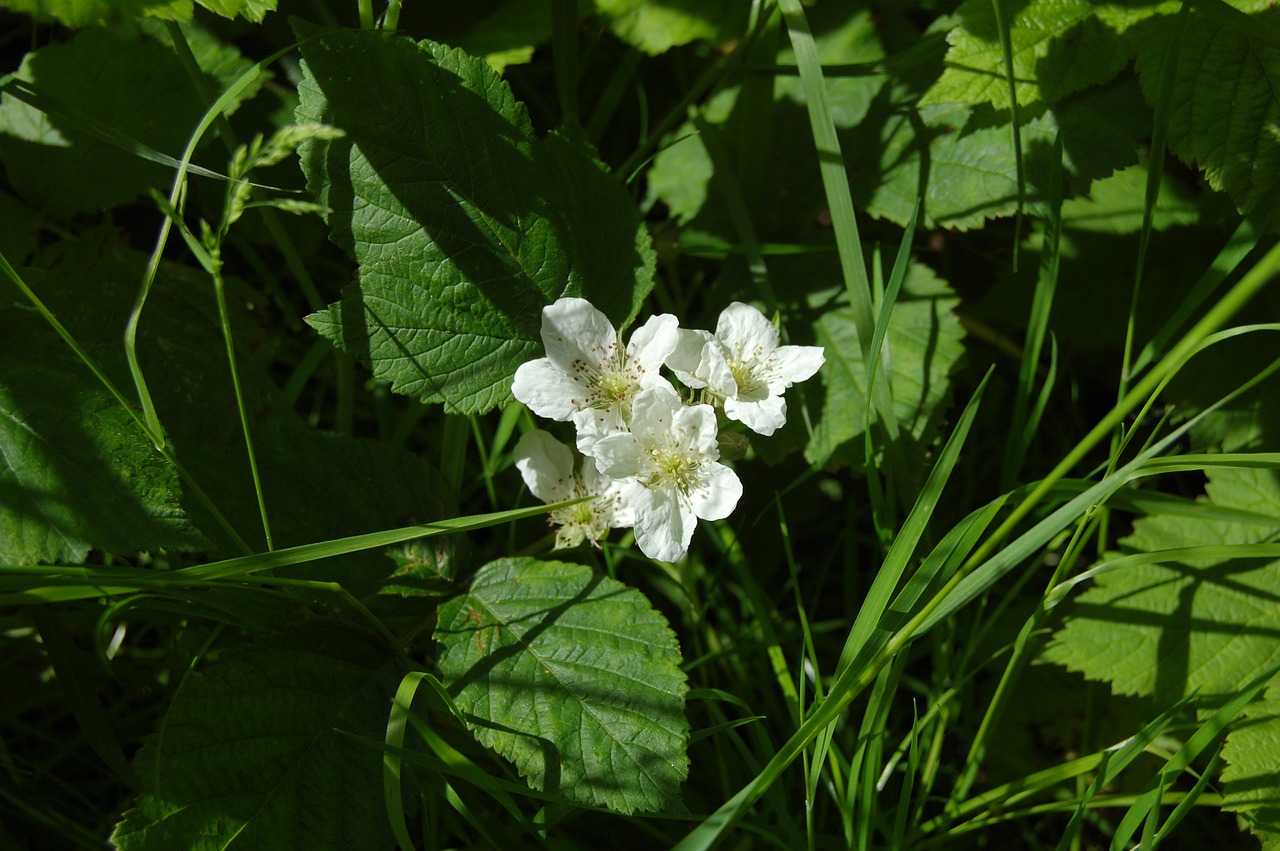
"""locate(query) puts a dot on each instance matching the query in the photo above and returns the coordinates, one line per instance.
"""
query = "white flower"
(669, 463)
(743, 364)
(587, 376)
(547, 467)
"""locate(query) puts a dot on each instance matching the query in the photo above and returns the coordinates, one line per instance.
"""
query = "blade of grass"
(835, 182)
(1206, 736)
(1026, 419)
(1006, 50)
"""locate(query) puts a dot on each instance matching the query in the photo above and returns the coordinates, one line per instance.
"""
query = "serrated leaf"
(1252, 752)
(254, 751)
(574, 678)
(657, 27)
(463, 224)
(1176, 626)
(250, 10)
(1116, 204)
(137, 88)
(970, 173)
(922, 346)
(75, 470)
(1224, 108)
(1059, 47)
(1171, 627)
(83, 13)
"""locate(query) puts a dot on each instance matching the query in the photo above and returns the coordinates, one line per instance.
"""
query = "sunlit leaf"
(463, 224)
(574, 678)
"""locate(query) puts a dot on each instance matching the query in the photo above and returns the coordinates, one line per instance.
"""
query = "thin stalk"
(224, 319)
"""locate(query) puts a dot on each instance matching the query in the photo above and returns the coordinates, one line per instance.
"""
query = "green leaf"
(1252, 752)
(1115, 205)
(137, 88)
(1059, 47)
(1187, 624)
(75, 470)
(1224, 106)
(574, 678)
(970, 173)
(255, 753)
(463, 225)
(250, 10)
(1174, 626)
(657, 27)
(83, 13)
(922, 346)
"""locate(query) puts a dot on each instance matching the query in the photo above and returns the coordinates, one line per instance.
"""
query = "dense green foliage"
(273, 569)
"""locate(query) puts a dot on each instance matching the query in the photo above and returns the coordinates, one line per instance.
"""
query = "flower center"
(750, 371)
(674, 466)
(612, 381)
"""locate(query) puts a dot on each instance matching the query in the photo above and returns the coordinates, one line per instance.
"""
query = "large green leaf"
(462, 223)
(136, 88)
(82, 13)
(1059, 46)
(1173, 626)
(1252, 752)
(658, 27)
(921, 348)
(964, 156)
(574, 678)
(1205, 624)
(75, 470)
(255, 751)
(1224, 108)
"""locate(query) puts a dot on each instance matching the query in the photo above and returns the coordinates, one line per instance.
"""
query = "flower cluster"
(650, 457)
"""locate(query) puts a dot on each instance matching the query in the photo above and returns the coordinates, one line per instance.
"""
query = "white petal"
(653, 409)
(653, 343)
(546, 465)
(743, 328)
(619, 456)
(719, 494)
(664, 526)
(595, 423)
(686, 356)
(790, 364)
(696, 425)
(573, 330)
(763, 417)
(547, 391)
(715, 370)
(625, 496)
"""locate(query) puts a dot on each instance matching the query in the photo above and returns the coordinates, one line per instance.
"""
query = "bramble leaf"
(255, 753)
(1205, 624)
(574, 678)
(1224, 107)
(462, 223)
(657, 27)
(1059, 47)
